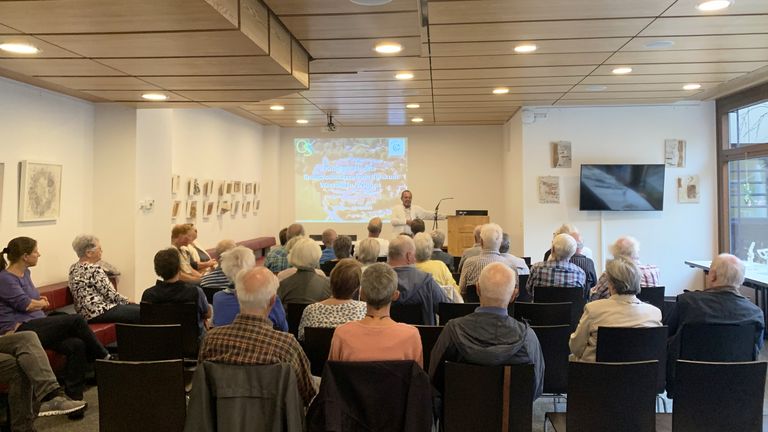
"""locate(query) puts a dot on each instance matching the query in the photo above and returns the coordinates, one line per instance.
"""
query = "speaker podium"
(461, 232)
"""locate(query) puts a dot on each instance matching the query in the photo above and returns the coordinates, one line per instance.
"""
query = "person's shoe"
(61, 405)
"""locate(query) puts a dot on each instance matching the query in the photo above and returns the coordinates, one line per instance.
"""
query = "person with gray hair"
(490, 240)
(367, 252)
(329, 238)
(94, 296)
(225, 304)
(342, 248)
(305, 286)
(216, 279)
(250, 339)
(437, 269)
(621, 309)
(277, 258)
(438, 240)
(628, 247)
(476, 249)
(567, 228)
(558, 271)
(377, 337)
(516, 263)
(300, 259)
(489, 336)
(374, 232)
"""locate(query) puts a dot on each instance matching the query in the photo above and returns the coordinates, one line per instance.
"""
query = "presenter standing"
(404, 214)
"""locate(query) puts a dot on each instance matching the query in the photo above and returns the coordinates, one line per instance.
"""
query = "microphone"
(441, 200)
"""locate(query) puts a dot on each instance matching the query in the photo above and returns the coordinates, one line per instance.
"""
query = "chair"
(470, 294)
(543, 314)
(456, 277)
(145, 396)
(209, 293)
(429, 335)
(606, 397)
(293, 313)
(138, 342)
(554, 347)
(449, 311)
(185, 314)
(652, 295)
(718, 342)
(488, 398)
(575, 296)
(406, 313)
(381, 259)
(317, 345)
(522, 296)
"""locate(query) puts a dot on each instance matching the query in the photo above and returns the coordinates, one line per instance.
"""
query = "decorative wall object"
(561, 154)
(247, 207)
(258, 204)
(674, 152)
(194, 187)
(688, 189)
(208, 187)
(39, 191)
(228, 187)
(208, 208)
(192, 209)
(249, 188)
(549, 190)
(237, 187)
(224, 207)
(175, 208)
(236, 207)
(175, 181)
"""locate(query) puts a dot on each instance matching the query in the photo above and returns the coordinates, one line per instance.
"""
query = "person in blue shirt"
(329, 236)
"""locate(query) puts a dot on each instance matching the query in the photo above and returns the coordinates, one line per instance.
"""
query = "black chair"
(575, 296)
(456, 277)
(718, 342)
(554, 346)
(488, 398)
(429, 335)
(543, 314)
(527, 261)
(293, 313)
(652, 295)
(522, 293)
(470, 294)
(145, 396)
(317, 345)
(449, 311)
(209, 293)
(185, 314)
(609, 397)
(406, 313)
(381, 259)
(137, 342)
(456, 262)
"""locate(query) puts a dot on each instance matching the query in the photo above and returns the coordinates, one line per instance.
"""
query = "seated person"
(569, 229)
(438, 238)
(174, 290)
(489, 336)
(417, 226)
(558, 271)
(627, 247)
(377, 336)
(198, 257)
(216, 277)
(341, 307)
(491, 236)
(474, 250)
(621, 309)
(277, 258)
(305, 286)
(225, 305)
(95, 298)
(181, 236)
(374, 232)
(342, 248)
(521, 268)
(291, 270)
(329, 237)
(437, 269)
(250, 339)
(367, 252)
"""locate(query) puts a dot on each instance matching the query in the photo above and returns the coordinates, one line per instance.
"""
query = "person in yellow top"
(437, 268)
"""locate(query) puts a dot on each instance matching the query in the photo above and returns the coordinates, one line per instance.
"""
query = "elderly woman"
(622, 309)
(342, 248)
(305, 286)
(436, 268)
(627, 247)
(21, 309)
(340, 307)
(377, 336)
(367, 252)
(198, 257)
(225, 305)
(94, 296)
(290, 271)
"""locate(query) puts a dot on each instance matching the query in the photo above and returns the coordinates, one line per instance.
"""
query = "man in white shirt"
(374, 231)
(404, 214)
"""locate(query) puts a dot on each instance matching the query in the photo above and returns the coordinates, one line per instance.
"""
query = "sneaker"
(60, 405)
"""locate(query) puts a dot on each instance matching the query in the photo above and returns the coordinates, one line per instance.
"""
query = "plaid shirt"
(277, 260)
(470, 272)
(251, 340)
(649, 277)
(555, 274)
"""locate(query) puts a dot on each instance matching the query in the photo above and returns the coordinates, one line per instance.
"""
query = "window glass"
(748, 209)
(748, 125)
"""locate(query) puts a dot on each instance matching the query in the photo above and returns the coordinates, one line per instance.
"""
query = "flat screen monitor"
(622, 187)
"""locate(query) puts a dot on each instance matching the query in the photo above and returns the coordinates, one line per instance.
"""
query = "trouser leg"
(31, 358)
(19, 395)
(127, 314)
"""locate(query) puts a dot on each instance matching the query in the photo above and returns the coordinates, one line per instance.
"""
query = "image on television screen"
(622, 187)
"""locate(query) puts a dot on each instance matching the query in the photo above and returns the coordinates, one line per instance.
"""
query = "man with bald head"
(277, 258)
(329, 237)
(489, 336)
(558, 270)
(250, 339)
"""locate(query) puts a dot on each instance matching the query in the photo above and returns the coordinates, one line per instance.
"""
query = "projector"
(330, 126)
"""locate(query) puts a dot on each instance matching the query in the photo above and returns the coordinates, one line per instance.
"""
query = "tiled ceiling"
(215, 53)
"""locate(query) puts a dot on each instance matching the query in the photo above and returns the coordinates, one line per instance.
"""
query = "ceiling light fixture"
(713, 5)
(500, 90)
(622, 70)
(302, 121)
(157, 97)
(277, 107)
(388, 48)
(19, 48)
(692, 86)
(525, 48)
(596, 88)
(413, 106)
(417, 119)
(658, 44)
(404, 75)
(370, 2)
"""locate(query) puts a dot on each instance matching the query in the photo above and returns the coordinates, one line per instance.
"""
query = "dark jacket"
(444, 257)
(305, 286)
(418, 287)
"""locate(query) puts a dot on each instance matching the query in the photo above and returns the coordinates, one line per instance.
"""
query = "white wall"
(514, 223)
(626, 135)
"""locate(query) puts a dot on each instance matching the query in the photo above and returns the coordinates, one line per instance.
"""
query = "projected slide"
(348, 179)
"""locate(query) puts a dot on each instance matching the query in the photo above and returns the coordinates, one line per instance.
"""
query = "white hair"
(424, 246)
(367, 250)
(83, 243)
(305, 253)
(400, 246)
(491, 234)
(497, 283)
(255, 287)
(438, 238)
(624, 275)
(729, 270)
(563, 247)
(476, 233)
(626, 246)
(236, 259)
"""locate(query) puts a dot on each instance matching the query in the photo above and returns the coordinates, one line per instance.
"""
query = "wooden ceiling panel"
(181, 66)
(511, 104)
(686, 68)
(643, 87)
(707, 25)
(615, 102)
(248, 82)
(46, 50)
(542, 47)
(700, 42)
(324, 102)
(506, 61)
(313, 94)
(690, 56)
(680, 94)
(161, 105)
(362, 76)
(370, 64)
(102, 83)
(500, 117)
(370, 85)
(381, 25)
(537, 30)
(512, 90)
(58, 67)
(7, 30)
(494, 98)
(660, 79)
(134, 96)
(365, 106)
(357, 48)
(312, 7)
(740, 7)
(232, 95)
(523, 72)
(505, 82)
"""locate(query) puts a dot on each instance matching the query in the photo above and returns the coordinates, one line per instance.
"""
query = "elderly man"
(217, 278)
(627, 247)
(329, 237)
(414, 285)
(579, 258)
(622, 309)
(438, 240)
(404, 214)
(374, 231)
(567, 228)
(516, 263)
(476, 249)
(489, 336)
(277, 258)
(558, 271)
(490, 240)
(250, 339)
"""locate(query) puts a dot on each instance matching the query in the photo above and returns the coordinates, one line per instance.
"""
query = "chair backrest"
(293, 313)
(554, 346)
(625, 344)
(317, 346)
(185, 314)
(406, 313)
(527, 261)
(138, 342)
(719, 397)
(718, 342)
(543, 314)
(381, 259)
(652, 295)
(488, 398)
(429, 335)
(210, 292)
(145, 396)
(470, 294)
(449, 311)
(522, 293)
(612, 396)
(575, 296)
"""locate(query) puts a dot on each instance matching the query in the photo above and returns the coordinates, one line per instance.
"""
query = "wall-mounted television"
(622, 187)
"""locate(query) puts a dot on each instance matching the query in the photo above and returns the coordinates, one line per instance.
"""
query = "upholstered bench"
(260, 247)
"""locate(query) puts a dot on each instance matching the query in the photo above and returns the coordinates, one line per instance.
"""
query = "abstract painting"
(549, 190)
(175, 209)
(688, 189)
(39, 192)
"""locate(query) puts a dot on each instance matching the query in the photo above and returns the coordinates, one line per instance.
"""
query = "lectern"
(461, 232)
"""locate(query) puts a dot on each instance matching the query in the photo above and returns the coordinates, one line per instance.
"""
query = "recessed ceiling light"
(525, 48)
(713, 5)
(404, 75)
(277, 107)
(622, 70)
(302, 121)
(19, 48)
(155, 96)
(370, 2)
(413, 106)
(691, 86)
(417, 119)
(388, 48)
(501, 90)
(657, 44)
(596, 88)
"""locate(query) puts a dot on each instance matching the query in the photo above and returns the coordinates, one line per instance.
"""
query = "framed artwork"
(228, 187)
(208, 187)
(237, 187)
(39, 191)
(255, 206)
(236, 207)
(224, 207)
(194, 187)
(175, 208)
(258, 203)
(249, 188)
(175, 181)
(192, 209)
(688, 189)
(674, 153)
(208, 208)
(247, 207)
(549, 190)
(561, 154)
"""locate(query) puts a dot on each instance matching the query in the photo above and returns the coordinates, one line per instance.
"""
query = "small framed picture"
(224, 207)
(175, 208)
(229, 187)
(194, 187)
(249, 188)
(208, 208)
(237, 187)
(175, 181)
(192, 209)
(247, 207)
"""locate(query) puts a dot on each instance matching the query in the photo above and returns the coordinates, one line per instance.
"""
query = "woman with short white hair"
(367, 252)
(305, 286)
(438, 269)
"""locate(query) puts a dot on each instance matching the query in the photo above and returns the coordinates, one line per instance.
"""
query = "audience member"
(277, 258)
(180, 237)
(437, 269)
(250, 339)
(558, 271)
(329, 237)
(516, 263)
(438, 240)
(414, 286)
(569, 229)
(94, 296)
(172, 289)
(621, 309)
(627, 247)
(377, 336)
(403, 215)
(367, 252)
(198, 257)
(341, 307)
(489, 336)
(305, 286)
(290, 271)
(21, 309)
(490, 240)
(225, 305)
(417, 226)
(476, 249)
(342, 248)
(374, 231)
(216, 279)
